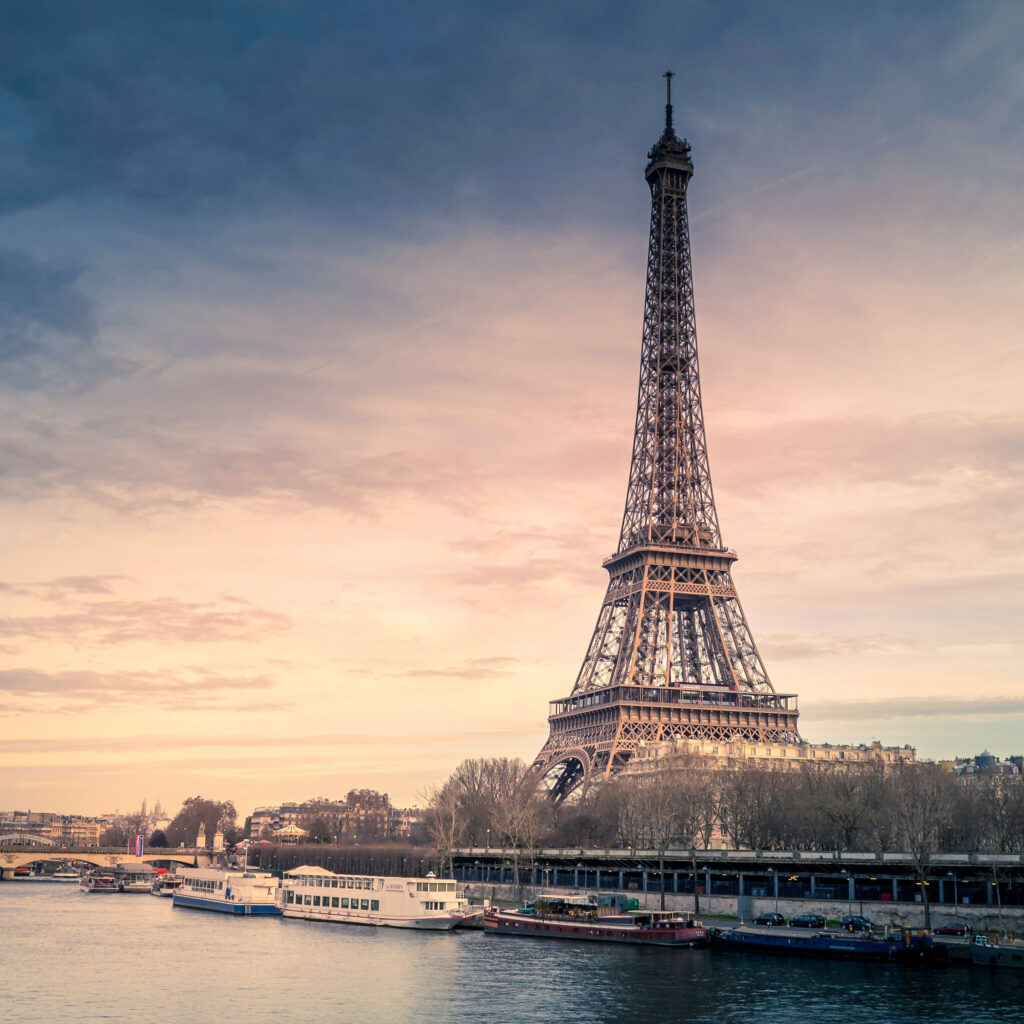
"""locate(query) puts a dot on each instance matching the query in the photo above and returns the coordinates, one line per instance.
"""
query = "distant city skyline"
(319, 339)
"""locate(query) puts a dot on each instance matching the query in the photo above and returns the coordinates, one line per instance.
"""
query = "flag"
(138, 846)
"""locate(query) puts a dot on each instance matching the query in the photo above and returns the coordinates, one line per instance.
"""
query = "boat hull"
(531, 926)
(236, 908)
(824, 945)
(428, 924)
(1006, 955)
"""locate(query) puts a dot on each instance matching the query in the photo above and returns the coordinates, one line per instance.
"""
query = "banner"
(138, 846)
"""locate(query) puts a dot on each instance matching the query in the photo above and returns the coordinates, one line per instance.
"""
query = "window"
(364, 904)
(334, 901)
(375, 904)
(309, 901)
(316, 901)
(344, 903)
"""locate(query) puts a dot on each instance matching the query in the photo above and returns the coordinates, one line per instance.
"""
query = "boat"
(99, 880)
(1008, 953)
(907, 944)
(243, 893)
(165, 885)
(65, 875)
(315, 894)
(133, 878)
(554, 916)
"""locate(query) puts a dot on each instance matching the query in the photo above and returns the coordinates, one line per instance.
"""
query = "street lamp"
(488, 839)
(849, 891)
(775, 886)
(956, 902)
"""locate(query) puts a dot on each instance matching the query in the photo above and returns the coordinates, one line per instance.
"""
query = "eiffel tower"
(671, 655)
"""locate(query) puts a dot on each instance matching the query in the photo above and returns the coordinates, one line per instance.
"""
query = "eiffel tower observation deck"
(672, 656)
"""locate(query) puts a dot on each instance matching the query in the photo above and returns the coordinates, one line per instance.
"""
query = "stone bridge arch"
(12, 857)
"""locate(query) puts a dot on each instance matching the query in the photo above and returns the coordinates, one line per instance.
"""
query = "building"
(723, 754)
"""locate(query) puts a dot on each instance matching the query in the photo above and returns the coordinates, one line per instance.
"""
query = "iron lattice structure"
(672, 655)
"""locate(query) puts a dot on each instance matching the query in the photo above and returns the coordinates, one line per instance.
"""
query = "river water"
(71, 957)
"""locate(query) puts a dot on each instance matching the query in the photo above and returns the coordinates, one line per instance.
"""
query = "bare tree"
(517, 811)
(923, 803)
(444, 821)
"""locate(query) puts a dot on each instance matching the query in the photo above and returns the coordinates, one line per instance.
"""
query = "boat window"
(316, 901)
(308, 901)
(367, 883)
(344, 903)
(364, 904)
(334, 901)
(375, 904)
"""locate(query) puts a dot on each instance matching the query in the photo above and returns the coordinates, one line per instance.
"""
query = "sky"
(319, 339)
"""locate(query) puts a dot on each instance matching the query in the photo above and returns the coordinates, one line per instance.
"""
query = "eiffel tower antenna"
(672, 656)
(668, 76)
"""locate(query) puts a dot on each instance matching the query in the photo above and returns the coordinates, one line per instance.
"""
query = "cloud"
(47, 325)
(496, 667)
(914, 452)
(921, 706)
(278, 741)
(793, 647)
(31, 690)
(165, 620)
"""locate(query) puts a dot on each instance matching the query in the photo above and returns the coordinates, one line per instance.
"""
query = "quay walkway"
(953, 879)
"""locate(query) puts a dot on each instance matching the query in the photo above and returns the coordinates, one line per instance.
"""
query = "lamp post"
(849, 891)
(775, 886)
(488, 839)
(956, 902)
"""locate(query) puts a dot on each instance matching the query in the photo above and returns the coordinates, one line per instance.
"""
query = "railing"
(694, 696)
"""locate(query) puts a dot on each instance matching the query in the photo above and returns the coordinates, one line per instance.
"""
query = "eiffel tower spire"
(671, 655)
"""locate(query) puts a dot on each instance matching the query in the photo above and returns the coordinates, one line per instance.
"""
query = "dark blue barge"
(909, 944)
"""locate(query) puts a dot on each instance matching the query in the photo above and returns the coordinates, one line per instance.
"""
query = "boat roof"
(559, 897)
(310, 869)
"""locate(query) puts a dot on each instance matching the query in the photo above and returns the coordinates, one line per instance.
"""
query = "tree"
(158, 841)
(123, 830)
(660, 803)
(517, 810)
(213, 815)
(319, 831)
(443, 821)
(365, 818)
(923, 803)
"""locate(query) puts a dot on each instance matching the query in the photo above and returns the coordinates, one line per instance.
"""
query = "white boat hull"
(431, 924)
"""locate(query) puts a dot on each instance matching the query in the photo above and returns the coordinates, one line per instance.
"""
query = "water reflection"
(82, 958)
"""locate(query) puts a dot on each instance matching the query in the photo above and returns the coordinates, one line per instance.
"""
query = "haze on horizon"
(319, 334)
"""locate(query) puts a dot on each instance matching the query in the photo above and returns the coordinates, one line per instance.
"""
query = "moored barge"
(906, 945)
(565, 918)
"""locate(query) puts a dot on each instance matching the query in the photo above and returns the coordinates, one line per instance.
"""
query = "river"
(69, 957)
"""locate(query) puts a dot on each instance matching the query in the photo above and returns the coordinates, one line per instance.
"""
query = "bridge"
(17, 856)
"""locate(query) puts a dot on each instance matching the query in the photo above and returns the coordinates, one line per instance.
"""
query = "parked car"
(954, 929)
(807, 921)
(856, 923)
(771, 920)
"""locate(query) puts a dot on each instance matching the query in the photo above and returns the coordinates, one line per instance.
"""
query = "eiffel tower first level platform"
(672, 656)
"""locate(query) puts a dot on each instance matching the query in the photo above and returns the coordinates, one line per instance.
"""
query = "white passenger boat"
(246, 893)
(316, 894)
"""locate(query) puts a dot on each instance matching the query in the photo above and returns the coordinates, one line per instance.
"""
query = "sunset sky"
(319, 343)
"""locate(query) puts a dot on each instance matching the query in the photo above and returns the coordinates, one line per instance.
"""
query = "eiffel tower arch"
(671, 655)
